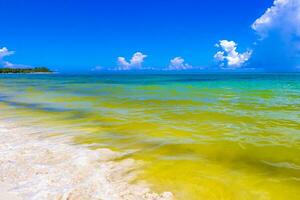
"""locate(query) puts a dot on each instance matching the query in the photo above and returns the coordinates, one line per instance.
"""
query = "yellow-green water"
(202, 136)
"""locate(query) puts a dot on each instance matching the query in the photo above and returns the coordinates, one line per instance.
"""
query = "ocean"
(200, 136)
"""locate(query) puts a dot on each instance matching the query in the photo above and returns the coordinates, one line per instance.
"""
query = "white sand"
(35, 167)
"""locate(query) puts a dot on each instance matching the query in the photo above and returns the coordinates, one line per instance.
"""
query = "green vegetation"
(25, 70)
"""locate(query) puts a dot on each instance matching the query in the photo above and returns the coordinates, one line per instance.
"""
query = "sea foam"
(34, 167)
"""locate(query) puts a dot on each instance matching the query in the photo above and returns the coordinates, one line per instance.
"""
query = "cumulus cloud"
(97, 68)
(137, 59)
(7, 64)
(279, 29)
(283, 15)
(229, 55)
(123, 63)
(178, 63)
(5, 52)
(135, 62)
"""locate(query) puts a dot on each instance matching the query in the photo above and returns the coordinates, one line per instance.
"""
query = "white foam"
(34, 167)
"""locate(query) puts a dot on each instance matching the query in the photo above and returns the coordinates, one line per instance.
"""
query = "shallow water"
(202, 136)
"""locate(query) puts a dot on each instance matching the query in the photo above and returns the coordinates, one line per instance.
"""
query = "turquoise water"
(201, 136)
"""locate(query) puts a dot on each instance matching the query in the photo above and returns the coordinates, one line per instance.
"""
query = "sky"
(169, 35)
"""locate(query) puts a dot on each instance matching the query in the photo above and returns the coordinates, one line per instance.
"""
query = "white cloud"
(178, 63)
(283, 19)
(283, 15)
(135, 62)
(97, 68)
(123, 63)
(219, 56)
(137, 59)
(229, 55)
(7, 64)
(5, 52)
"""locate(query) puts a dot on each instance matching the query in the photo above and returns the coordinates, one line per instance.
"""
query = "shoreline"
(33, 73)
(34, 166)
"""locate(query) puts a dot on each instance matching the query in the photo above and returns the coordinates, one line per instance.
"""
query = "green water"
(201, 136)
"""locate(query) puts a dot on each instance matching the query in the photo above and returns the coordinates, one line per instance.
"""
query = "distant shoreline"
(30, 73)
(25, 70)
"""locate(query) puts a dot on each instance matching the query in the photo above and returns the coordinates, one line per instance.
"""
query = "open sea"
(200, 136)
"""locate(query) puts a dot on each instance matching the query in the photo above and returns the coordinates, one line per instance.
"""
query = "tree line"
(25, 70)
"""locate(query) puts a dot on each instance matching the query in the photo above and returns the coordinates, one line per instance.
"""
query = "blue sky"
(76, 35)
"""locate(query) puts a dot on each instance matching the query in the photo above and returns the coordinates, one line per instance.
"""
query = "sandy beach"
(34, 166)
